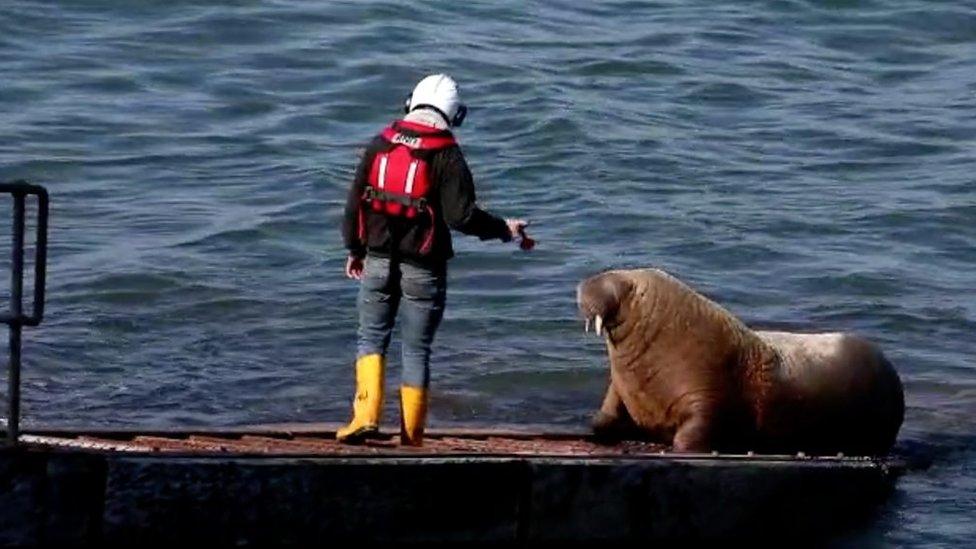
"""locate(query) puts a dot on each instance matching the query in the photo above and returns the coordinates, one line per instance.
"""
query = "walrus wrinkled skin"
(686, 372)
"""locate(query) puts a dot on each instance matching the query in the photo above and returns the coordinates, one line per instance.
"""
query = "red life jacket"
(399, 179)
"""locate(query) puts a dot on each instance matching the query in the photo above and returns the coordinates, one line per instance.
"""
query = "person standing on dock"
(411, 187)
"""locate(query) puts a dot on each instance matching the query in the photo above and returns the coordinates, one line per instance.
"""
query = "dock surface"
(321, 442)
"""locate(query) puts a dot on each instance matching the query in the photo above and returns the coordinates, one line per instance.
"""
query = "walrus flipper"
(612, 422)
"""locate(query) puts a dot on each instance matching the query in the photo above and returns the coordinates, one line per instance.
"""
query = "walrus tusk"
(586, 325)
(599, 325)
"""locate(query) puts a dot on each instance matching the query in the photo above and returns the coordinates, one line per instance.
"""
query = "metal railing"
(15, 317)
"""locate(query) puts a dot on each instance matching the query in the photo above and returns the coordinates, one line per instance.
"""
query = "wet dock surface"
(309, 445)
(496, 442)
(318, 440)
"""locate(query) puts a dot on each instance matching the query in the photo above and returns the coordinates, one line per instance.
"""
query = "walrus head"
(600, 299)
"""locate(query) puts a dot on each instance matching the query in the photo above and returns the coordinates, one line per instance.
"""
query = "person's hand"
(354, 267)
(516, 227)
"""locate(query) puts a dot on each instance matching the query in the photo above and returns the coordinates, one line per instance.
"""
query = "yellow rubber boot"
(368, 403)
(413, 415)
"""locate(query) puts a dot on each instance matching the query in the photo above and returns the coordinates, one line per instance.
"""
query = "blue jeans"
(385, 283)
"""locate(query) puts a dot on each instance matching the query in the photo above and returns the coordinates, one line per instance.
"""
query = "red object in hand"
(525, 243)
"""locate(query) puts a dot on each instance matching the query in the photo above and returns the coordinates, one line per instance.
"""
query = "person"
(412, 186)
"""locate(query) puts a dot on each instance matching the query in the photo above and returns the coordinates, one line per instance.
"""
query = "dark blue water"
(805, 163)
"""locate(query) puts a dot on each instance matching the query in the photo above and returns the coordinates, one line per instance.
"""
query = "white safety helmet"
(440, 92)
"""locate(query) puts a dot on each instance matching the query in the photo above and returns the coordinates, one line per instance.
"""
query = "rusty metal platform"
(318, 440)
(271, 444)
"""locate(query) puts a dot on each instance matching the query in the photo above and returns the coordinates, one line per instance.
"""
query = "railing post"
(15, 317)
(16, 312)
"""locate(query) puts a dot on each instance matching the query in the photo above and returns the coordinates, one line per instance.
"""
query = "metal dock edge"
(288, 487)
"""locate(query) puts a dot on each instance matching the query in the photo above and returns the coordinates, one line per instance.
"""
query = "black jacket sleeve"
(350, 220)
(457, 197)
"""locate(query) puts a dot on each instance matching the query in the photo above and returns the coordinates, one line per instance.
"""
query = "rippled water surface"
(807, 164)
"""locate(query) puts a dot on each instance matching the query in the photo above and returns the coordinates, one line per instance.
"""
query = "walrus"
(685, 372)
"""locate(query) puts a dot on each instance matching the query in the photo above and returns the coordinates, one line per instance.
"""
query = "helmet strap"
(440, 112)
(459, 115)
